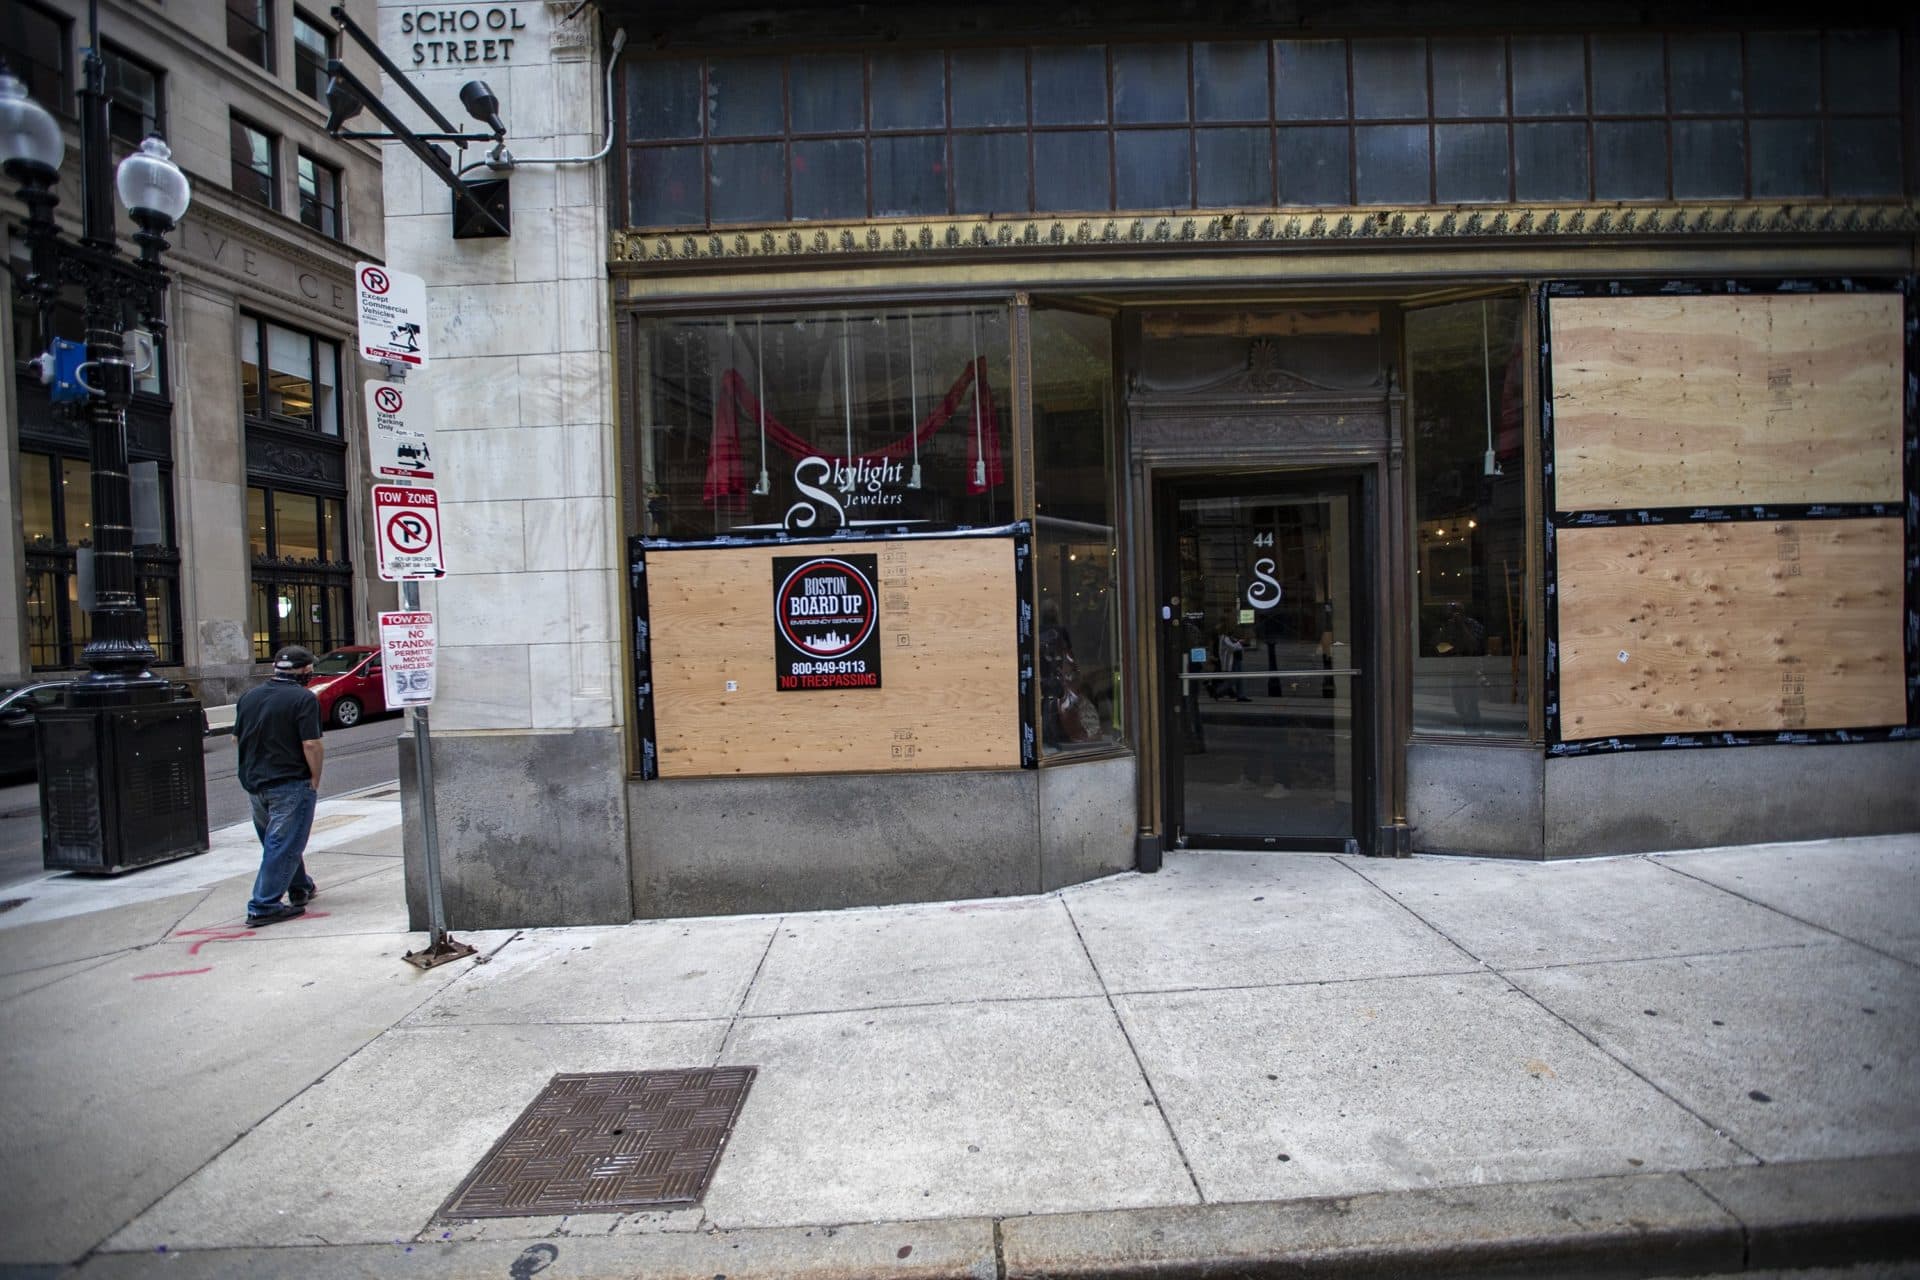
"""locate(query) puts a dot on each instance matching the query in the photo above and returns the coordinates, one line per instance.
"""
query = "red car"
(348, 683)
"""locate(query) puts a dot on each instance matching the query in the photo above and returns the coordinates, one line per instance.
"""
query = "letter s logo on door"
(1264, 593)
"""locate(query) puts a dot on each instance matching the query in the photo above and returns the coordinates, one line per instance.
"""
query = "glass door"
(1269, 623)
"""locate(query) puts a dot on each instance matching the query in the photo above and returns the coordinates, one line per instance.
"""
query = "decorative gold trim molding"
(634, 249)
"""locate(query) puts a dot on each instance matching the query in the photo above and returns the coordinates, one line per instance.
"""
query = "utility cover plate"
(608, 1142)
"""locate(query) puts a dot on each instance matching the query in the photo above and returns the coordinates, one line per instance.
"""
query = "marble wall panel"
(485, 537)
(505, 608)
(502, 463)
(481, 686)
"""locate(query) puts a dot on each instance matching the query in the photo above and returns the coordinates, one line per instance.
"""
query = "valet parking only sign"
(826, 622)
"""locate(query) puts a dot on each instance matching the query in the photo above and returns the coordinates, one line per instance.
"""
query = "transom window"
(1290, 122)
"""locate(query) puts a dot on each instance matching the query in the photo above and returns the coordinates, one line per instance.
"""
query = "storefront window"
(56, 505)
(1075, 551)
(1470, 671)
(824, 422)
(302, 577)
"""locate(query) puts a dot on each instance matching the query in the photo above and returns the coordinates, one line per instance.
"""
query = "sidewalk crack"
(746, 993)
(1160, 1107)
(1781, 911)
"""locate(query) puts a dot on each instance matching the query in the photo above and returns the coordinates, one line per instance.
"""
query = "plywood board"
(1702, 628)
(949, 694)
(1726, 400)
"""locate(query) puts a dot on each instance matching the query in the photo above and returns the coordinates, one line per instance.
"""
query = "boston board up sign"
(826, 622)
(393, 315)
(407, 642)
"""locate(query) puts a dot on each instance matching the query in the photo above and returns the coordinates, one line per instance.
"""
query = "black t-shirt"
(270, 722)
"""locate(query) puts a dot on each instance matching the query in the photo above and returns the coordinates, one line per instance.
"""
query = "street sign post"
(406, 518)
(393, 315)
(407, 642)
(406, 524)
(399, 432)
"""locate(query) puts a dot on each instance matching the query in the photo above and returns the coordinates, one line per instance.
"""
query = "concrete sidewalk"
(1259, 1064)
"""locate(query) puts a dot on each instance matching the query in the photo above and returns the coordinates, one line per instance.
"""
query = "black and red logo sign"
(826, 614)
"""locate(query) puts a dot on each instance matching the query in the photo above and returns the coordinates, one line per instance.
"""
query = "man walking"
(277, 727)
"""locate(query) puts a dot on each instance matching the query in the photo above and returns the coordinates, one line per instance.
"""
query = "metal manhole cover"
(608, 1142)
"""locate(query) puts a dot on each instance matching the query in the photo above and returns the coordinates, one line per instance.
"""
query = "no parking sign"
(408, 524)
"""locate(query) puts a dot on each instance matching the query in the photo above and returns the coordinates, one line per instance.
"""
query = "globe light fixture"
(29, 135)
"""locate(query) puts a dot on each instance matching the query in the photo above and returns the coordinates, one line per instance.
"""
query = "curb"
(1720, 1222)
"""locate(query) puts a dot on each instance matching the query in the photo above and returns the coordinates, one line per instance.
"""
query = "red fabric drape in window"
(726, 465)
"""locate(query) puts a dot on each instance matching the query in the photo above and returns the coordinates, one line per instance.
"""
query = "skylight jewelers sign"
(826, 616)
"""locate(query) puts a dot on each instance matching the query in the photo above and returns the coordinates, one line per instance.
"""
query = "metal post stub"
(447, 948)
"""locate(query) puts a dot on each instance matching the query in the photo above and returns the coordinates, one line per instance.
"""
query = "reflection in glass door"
(1268, 666)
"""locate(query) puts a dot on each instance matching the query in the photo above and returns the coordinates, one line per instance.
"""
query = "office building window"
(250, 30)
(33, 40)
(319, 196)
(134, 105)
(313, 45)
(256, 164)
(302, 574)
(288, 378)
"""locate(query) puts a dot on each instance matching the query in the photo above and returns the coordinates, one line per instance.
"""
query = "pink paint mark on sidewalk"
(219, 933)
(172, 973)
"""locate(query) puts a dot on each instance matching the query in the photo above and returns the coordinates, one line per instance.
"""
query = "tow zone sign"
(408, 524)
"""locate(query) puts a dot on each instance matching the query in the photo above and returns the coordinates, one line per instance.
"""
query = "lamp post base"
(121, 786)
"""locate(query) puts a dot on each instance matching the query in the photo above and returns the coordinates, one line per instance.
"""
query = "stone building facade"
(251, 424)
(1234, 425)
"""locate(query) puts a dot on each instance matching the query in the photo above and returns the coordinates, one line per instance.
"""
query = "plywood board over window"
(1726, 400)
(1731, 627)
(949, 694)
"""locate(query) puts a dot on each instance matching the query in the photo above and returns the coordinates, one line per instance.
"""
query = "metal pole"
(441, 945)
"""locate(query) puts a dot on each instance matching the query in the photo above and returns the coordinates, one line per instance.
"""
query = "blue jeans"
(282, 817)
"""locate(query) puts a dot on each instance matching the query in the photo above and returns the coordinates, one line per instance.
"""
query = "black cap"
(292, 658)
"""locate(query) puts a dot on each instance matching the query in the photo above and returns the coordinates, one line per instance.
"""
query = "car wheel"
(346, 712)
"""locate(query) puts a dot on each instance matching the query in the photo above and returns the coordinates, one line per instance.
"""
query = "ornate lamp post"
(115, 745)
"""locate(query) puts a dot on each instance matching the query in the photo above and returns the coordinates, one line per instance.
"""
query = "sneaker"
(301, 897)
(275, 916)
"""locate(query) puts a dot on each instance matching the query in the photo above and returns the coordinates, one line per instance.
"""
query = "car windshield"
(338, 663)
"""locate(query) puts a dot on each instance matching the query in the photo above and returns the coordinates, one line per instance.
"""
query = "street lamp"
(121, 781)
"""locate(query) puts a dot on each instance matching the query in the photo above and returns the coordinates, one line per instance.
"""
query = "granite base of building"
(1495, 801)
(1642, 801)
(713, 846)
(1474, 798)
(532, 829)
